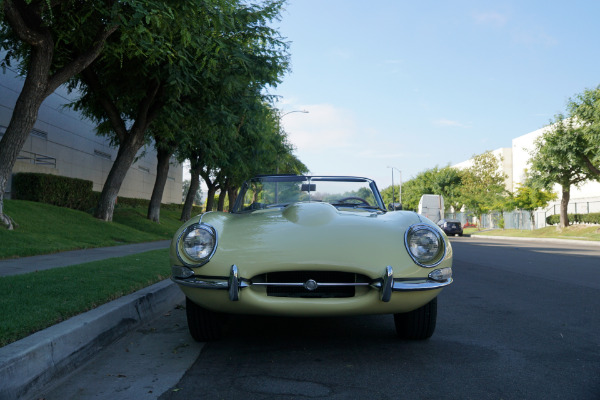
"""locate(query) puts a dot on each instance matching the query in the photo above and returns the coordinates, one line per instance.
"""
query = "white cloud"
(448, 122)
(534, 36)
(528, 35)
(342, 54)
(324, 128)
(490, 18)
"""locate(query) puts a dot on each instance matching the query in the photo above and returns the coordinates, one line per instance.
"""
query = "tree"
(164, 151)
(556, 159)
(389, 192)
(239, 139)
(444, 181)
(530, 198)
(166, 135)
(184, 192)
(51, 41)
(136, 80)
(412, 190)
(448, 182)
(482, 187)
(256, 146)
(180, 57)
(195, 168)
(584, 109)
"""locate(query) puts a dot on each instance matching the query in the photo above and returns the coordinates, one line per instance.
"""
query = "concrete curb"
(28, 365)
(541, 240)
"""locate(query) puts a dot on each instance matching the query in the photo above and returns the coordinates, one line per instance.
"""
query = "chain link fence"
(495, 220)
(521, 219)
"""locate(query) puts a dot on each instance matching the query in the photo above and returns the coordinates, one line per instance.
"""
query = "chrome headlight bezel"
(207, 247)
(422, 235)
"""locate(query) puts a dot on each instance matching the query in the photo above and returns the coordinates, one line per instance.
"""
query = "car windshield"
(281, 191)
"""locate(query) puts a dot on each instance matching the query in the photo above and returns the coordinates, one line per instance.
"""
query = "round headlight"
(425, 245)
(198, 243)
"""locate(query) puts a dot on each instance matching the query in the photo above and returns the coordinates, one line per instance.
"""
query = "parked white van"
(432, 207)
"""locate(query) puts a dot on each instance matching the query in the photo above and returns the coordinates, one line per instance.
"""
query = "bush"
(144, 203)
(53, 189)
(72, 193)
(592, 218)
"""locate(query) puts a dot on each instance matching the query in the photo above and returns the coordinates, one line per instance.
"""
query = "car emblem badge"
(311, 285)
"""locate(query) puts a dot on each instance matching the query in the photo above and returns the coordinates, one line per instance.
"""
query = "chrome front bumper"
(386, 285)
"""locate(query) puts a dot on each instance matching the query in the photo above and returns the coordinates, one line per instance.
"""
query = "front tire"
(418, 324)
(204, 325)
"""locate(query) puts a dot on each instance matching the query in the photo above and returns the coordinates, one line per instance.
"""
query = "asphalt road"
(521, 321)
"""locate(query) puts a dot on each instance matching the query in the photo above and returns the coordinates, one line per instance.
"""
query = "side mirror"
(395, 206)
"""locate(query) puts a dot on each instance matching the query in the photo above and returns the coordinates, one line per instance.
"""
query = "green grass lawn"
(34, 301)
(575, 232)
(44, 228)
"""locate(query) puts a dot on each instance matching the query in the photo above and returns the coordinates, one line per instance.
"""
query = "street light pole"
(295, 111)
(279, 128)
(399, 189)
(279, 131)
(393, 199)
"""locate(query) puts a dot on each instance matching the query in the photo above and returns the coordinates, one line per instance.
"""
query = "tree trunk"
(39, 83)
(222, 195)
(564, 204)
(231, 194)
(221, 203)
(17, 132)
(532, 219)
(210, 197)
(162, 172)
(130, 140)
(23, 118)
(186, 212)
(116, 176)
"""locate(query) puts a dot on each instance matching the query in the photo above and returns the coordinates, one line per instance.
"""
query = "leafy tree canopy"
(556, 156)
(445, 181)
(584, 109)
(483, 184)
(556, 159)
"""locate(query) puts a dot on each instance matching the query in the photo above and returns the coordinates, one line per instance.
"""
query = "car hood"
(311, 235)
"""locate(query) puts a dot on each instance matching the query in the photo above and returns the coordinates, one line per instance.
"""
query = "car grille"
(292, 284)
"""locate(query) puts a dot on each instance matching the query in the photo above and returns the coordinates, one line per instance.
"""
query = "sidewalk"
(30, 364)
(15, 266)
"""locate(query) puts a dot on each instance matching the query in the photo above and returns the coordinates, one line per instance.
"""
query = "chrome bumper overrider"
(387, 284)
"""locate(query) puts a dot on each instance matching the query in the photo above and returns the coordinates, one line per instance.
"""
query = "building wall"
(522, 147)
(505, 154)
(516, 163)
(72, 148)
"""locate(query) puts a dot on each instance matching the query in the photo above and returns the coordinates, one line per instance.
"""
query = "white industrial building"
(65, 143)
(584, 199)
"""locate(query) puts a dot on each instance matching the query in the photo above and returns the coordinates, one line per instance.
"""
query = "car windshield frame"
(309, 186)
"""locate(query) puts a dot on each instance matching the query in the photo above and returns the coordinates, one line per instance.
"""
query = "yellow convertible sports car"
(311, 246)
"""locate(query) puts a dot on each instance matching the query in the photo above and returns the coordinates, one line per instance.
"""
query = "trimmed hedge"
(144, 203)
(72, 193)
(53, 189)
(592, 218)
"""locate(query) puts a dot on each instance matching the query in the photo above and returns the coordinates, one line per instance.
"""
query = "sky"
(405, 86)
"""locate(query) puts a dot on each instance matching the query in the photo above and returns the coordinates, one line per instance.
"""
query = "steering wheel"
(345, 199)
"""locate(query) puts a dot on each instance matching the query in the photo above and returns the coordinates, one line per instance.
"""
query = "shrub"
(53, 189)
(144, 203)
(592, 218)
(72, 193)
